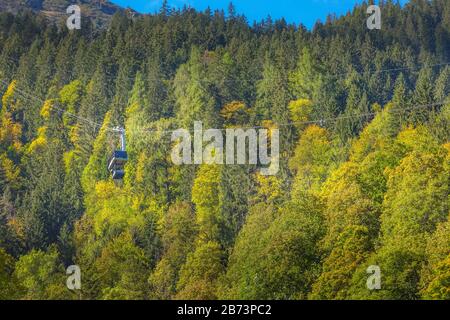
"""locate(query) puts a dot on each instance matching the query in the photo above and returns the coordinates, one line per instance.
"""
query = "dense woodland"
(364, 119)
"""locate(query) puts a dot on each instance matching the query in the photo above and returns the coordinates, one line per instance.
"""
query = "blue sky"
(306, 12)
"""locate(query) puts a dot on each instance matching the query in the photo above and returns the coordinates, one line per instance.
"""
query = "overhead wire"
(30, 97)
(27, 96)
(114, 129)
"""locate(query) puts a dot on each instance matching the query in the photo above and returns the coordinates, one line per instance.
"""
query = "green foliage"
(289, 257)
(306, 80)
(364, 157)
(439, 287)
(311, 161)
(416, 199)
(194, 101)
(240, 279)
(301, 111)
(434, 274)
(177, 235)
(9, 286)
(276, 256)
(207, 198)
(350, 250)
(42, 276)
(122, 269)
(399, 276)
(198, 276)
(347, 205)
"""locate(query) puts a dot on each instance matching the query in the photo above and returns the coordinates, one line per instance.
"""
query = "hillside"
(100, 11)
(362, 167)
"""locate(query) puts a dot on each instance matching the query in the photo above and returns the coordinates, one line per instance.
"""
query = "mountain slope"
(100, 11)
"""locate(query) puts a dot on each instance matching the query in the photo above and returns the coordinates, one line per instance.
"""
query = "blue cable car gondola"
(119, 158)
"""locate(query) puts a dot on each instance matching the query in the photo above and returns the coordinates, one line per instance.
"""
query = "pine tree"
(177, 235)
(423, 95)
(9, 284)
(199, 276)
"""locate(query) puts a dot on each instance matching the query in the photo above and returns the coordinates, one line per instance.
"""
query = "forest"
(364, 165)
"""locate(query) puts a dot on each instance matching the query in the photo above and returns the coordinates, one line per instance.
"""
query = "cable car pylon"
(116, 164)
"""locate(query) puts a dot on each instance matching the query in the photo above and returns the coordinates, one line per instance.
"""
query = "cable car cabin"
(117, 163)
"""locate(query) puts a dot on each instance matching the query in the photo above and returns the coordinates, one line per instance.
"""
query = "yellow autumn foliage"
(270, 188)
(9, 94)
(10, 132)
(301, 110)
(39, 142)
(68, 160)
(206, 197)
(236, 112)
(113, 208)
(10, 171)
(312, 160)
(47, 109)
